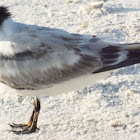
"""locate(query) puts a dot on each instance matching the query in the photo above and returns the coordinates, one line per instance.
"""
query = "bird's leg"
(31, 126)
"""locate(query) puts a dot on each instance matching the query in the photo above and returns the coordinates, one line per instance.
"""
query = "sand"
(107, 110)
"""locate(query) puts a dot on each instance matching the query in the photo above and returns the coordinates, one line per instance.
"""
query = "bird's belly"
(61, 88)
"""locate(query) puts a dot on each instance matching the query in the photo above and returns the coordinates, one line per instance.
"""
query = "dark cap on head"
(4, 14)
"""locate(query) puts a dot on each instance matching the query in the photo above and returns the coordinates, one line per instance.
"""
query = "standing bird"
(36, 60)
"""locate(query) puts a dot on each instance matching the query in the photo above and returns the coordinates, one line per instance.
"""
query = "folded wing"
(49, 57)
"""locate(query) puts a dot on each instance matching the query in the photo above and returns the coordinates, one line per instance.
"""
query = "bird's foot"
(22, 126)
(26, 129)
(31, 126)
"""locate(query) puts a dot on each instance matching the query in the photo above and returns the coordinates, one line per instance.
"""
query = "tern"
(36, 61)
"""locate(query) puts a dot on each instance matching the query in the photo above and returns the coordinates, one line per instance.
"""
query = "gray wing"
(55, 58)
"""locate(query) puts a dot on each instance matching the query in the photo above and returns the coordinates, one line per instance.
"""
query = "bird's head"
(4, 14)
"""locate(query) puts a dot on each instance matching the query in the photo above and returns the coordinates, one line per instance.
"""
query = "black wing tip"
(125, 63)
(4, 13)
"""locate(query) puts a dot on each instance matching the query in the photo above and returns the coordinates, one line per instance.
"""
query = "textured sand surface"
(108, 110)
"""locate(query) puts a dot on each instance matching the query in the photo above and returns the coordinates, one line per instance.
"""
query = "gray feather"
(33, 57)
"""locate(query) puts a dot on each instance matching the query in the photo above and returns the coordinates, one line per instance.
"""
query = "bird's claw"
(25, 129)
(23, 126)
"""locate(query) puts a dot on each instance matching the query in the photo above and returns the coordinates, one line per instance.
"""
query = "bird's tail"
(133, 57)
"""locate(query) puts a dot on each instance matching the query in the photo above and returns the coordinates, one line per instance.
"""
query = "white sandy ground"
(108, 110)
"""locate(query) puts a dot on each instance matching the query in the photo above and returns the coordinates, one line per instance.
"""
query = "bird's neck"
(7, 28)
